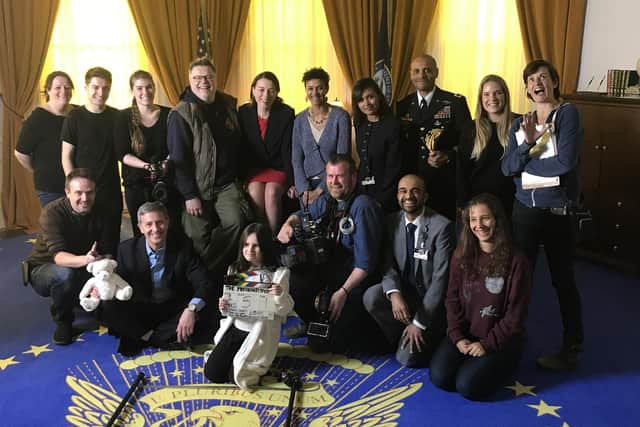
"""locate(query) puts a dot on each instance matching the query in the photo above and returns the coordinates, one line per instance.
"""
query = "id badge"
(421, 253)
(370, 180)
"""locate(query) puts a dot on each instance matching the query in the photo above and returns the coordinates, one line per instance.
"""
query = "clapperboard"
(246, 299)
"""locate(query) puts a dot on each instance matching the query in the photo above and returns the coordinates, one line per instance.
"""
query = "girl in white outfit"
(245, 347)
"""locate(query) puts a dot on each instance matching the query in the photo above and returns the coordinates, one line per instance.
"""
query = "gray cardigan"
(309, 158)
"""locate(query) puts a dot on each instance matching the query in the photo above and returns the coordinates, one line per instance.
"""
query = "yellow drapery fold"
(168, 31)
(286, 37)
(553, 30)
(25, 31)
(472, 39)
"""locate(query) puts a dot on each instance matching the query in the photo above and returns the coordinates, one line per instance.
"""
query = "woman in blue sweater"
(543, 157)
(318, 132)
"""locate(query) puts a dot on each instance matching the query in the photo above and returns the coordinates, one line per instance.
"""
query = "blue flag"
(382, 72)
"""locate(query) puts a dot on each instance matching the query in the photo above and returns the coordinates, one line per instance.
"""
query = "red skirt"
(268, 175)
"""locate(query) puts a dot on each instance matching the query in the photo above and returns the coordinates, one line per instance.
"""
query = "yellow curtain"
(472, 39)
(168, 31)
(552, 30)
(411, 22)
(286, 37)
(114, 44)
(25, 31)
(353, 26)
(227, 22)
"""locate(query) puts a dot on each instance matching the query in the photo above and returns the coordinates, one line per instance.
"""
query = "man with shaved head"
(433, 121)
(408, 304)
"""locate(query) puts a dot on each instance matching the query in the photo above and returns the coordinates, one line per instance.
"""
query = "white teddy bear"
(108, 284)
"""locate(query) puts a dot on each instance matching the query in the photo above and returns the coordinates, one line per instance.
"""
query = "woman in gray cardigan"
(318, 132)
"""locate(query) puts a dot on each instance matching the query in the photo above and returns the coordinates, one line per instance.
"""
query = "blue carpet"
(46, 385)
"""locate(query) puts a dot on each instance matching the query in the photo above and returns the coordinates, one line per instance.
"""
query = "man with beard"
(351, 225)
(408, 304)
(204, 140)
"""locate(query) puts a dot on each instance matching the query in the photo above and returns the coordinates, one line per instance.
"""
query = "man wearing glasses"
(204, 143)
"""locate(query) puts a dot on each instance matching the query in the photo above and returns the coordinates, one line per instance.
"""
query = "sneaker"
(566, 359)
(297, 331)
(63, 335)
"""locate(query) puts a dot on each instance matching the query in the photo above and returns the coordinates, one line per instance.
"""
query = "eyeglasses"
(208, 77)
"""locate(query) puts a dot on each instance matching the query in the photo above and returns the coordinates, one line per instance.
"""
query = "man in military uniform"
(433, 121)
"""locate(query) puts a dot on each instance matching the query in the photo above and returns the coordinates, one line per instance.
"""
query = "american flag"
(203, 39)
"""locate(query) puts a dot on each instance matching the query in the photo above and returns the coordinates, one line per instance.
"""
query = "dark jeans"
(532, 226)
(111, 207)
(474, 378)
(219, 366)
(62, 284)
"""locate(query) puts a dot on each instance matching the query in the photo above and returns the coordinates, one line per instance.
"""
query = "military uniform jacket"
(450, 113)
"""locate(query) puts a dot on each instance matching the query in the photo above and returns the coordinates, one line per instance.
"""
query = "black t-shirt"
(155, 139)
(92, 136)
(40, 139)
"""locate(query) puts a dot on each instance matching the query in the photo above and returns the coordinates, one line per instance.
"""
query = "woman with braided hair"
(141, 145)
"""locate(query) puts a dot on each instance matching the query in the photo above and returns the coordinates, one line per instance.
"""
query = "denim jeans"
(532, 226)
(62, 284)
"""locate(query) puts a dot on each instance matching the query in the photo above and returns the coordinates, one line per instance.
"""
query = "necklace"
(318, 119)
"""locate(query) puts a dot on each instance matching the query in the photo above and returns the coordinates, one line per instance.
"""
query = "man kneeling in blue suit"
(408, 304)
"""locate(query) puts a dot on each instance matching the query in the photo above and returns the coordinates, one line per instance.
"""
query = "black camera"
(160, 189)
(321, 327)
(309, 245)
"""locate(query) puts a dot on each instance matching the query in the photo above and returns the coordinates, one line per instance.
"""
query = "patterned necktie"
(423, 104)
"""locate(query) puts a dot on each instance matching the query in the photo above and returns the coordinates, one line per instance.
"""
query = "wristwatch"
(192, 307)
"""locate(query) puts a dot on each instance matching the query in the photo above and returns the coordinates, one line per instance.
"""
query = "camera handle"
(292, 379)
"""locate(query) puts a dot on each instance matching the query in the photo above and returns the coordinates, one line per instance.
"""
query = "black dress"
(379, 148)
(482, 175)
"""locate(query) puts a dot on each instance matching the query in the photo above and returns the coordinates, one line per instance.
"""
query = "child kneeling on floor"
(245, 347)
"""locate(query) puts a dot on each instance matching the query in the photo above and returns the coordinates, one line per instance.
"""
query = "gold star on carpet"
(177, 373)
(32, 241)
(522, 389)
(544, 409)
(332, 383)
(154, 378)
(4, 363)
(36, 350)
(310, 376)
(198, 370)
(302, 415)
(564, 424)
(273, 412)
(101, 330)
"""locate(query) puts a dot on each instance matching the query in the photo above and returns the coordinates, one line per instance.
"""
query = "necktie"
(410, 261)
(423, 103)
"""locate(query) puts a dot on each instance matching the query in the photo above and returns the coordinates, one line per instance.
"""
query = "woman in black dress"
(38, 148)
(377, 142)
(141, 146)
(482, 146)
(267, 124)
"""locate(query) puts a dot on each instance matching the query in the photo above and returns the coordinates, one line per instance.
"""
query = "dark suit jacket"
(435, 271)
(184, 272)
(275, 151)
(450, 113)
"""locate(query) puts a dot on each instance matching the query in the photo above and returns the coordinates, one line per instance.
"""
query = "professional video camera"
(160, 189)
(310, 246)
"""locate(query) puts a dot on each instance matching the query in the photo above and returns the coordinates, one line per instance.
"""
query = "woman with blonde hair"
(483, 143)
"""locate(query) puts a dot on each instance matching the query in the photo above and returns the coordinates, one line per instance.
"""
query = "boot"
(567, 359)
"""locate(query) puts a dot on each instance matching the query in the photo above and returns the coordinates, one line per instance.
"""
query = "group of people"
(408, 251)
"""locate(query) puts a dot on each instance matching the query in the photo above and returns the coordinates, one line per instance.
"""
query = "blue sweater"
(565, 164)
(308, 158)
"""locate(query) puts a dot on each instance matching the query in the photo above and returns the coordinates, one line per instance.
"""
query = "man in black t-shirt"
(72, 234)
(87, 142)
